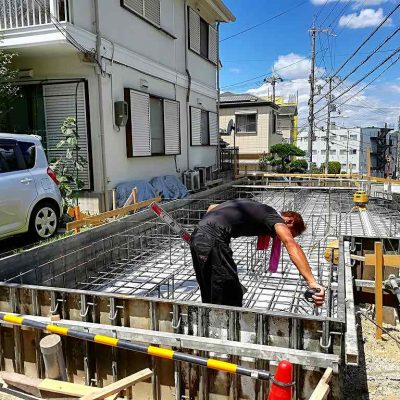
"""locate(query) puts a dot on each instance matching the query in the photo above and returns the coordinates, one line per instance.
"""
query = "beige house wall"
(251, 143)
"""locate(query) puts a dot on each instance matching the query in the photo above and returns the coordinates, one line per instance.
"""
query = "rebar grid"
(149, 260)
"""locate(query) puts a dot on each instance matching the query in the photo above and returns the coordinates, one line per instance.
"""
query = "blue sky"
(284, 41)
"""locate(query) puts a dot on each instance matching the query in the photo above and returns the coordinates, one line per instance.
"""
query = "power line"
(367, 39)
(264, 22)
(368, 57)
(367, 75)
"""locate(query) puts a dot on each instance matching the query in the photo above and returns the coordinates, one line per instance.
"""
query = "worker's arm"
(299, 259)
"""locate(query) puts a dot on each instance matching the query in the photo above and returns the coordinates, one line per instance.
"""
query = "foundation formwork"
(135, 278)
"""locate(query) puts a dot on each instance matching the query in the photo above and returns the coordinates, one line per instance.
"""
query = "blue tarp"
(144, 190)
(168, 187)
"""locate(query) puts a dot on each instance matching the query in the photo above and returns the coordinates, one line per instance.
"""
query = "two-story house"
(85, 58)
(255, 122)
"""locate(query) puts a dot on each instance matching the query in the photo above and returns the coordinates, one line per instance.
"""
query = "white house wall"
(250, 143)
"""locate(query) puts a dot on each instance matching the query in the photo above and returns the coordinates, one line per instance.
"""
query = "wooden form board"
(322, 390)
(110, 214)
(116, 387)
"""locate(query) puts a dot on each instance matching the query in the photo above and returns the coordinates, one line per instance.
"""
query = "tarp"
(169, 187)
(144, 191)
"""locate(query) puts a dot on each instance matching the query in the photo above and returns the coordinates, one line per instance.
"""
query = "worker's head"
(294, 222)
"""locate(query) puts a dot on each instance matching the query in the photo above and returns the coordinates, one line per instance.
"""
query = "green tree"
(334, 167)
(280, 156)
(299, 166)
(8, 88)
(68, 166)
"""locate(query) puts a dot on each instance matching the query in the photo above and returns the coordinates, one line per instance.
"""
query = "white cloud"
(355, 3)
(294, 66)
(376, 105)
(235, 70)
(367, 17)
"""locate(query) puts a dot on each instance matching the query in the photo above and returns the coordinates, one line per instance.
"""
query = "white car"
(30, 200)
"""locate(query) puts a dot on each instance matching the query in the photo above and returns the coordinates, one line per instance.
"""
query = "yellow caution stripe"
(14, 319)
(57, 329)
(221, 365)
(160, 352)
(109, 341)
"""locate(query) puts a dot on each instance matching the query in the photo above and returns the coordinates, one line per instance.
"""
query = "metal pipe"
(153, 351)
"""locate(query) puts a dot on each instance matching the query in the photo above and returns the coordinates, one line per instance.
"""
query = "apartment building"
(346, 145)
(139, 76)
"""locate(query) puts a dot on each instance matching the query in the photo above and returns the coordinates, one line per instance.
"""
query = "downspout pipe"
(189, 77)
(101, 113)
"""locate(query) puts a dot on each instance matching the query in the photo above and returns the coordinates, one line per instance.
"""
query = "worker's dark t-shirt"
(241, 217)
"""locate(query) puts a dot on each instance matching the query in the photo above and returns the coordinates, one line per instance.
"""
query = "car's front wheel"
(44, 221)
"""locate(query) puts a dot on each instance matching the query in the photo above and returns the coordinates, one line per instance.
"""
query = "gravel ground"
(378, 375)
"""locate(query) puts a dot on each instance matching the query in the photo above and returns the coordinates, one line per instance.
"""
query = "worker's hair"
(298, 223)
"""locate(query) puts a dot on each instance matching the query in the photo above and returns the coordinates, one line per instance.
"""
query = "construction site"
(132, 281)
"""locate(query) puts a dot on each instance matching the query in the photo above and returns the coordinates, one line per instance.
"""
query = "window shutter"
(195, 115)
(194, 31)
(152, 11)
(140, 123)
(62, 100)
(213, 122)
(134, 5)
(171, 127)
(212, 44)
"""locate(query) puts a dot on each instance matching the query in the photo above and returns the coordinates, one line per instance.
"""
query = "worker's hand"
(319, 297)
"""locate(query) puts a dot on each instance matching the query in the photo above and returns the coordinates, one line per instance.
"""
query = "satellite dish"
(231, 127)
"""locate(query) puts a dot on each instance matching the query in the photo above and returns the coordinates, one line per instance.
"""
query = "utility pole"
(398, 150)
(273, 81)
(328, 125)
(347, 151)
(313, 31)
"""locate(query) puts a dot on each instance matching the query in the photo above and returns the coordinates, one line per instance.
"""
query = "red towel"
(263, 243)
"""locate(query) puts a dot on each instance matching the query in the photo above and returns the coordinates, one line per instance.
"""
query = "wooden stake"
(378, 288)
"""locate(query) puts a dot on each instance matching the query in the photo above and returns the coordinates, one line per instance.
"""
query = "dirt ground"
(378, 375)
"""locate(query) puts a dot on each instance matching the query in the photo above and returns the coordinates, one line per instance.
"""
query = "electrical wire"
(366, 59)
(264, 22)
(367, 39)
(366, 76)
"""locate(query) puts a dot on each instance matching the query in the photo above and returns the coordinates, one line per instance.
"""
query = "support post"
(369, 161)
(378, 288)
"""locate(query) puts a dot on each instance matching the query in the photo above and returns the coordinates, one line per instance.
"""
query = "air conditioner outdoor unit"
(191, 179)
(206, 174)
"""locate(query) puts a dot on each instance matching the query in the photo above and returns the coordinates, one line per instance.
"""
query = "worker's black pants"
(216, 272)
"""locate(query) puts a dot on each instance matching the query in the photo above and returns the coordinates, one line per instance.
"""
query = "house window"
(314, 152)
(246, 123)
(342, 137)
(203, 38)
(332, 152)
(353, 137)
(153, 126)
(147, 9)
(342, 152)
(156, 126)
(323, 152)
(204, 127)
(274, 118)
(353, 151)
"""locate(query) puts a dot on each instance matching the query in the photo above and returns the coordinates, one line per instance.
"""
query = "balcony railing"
(29, 13)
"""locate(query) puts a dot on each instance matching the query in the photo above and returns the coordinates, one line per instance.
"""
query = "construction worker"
(216, 272)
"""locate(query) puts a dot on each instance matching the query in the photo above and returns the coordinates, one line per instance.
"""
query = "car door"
(17, 188)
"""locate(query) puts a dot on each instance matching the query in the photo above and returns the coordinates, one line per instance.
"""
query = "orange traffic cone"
(281, 388)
